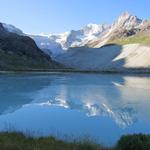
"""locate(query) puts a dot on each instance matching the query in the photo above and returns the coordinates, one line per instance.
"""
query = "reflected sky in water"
(102, 106)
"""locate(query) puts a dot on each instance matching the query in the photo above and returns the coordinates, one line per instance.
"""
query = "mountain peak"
(127, 21)
(126, 14)
(125, 17)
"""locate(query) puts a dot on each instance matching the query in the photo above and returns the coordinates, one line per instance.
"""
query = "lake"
(75, 105)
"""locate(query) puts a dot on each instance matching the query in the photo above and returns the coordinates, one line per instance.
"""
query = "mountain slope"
(143, 39)
(125, 26)
(108, 58)
(21, 53)
(125, 46)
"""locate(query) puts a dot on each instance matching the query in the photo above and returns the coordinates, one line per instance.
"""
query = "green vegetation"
(134, 142)
(11, 61)
(142, 39)
(18, 141)
(16, 62)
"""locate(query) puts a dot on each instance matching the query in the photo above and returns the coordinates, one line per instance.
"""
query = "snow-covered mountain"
(86, 48)
(81, 37)
(51, 44)
(101, 54)
(92, 35)
(127, 21)
(126, 25)
(58, 43)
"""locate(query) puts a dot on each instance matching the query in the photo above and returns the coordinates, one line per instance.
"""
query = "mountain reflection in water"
(122, 98)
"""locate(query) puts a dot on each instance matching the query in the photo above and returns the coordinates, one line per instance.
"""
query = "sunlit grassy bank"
(141, 39)
(18, 141)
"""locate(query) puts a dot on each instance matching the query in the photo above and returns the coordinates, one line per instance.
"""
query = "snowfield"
(59, 43)
(113, 57)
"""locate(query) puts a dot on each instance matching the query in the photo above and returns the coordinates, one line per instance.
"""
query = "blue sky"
(55, 16)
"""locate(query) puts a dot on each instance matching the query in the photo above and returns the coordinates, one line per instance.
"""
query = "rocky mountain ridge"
(93, 35)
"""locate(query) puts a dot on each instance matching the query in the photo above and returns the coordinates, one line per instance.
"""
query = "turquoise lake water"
(74, 105)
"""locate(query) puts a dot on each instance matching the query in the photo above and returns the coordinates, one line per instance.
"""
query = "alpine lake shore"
(20, 141)
(13, 140)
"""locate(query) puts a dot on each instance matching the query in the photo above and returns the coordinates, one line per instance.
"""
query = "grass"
(18, 141)
(141, 39)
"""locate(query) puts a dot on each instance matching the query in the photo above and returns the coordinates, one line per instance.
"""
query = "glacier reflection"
(125, 99)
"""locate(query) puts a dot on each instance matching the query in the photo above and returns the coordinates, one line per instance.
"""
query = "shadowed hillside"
(21, 53)
(111, 57)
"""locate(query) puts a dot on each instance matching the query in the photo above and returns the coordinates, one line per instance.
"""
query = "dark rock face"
(21, 53)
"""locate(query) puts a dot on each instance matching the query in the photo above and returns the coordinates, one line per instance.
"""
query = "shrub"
(134, 142)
